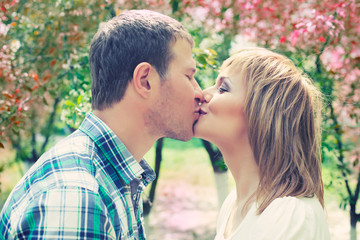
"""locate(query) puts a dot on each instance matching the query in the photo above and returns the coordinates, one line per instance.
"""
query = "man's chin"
(196, 130)
(183, 139)
(184, 136)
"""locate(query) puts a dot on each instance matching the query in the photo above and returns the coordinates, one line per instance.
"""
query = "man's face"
(177, 106)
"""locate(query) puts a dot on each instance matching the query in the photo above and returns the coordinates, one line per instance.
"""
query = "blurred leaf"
(212, 51)
(74, 118)
(44, 101)
(174, 5)
(79, 76)
(69, 103)
(53, 93)
(15, 129)
(356, 162)
(7, 94)
(201, 59)
(79, 99)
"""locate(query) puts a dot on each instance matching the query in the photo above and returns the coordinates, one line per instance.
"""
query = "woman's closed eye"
(223, 88)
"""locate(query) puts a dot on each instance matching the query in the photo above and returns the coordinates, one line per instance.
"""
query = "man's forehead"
(192, 65)
(188, 65)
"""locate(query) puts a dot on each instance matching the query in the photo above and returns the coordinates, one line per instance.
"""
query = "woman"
(264, 116)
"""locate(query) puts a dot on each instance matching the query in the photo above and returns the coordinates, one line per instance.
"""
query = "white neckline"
(251, 210)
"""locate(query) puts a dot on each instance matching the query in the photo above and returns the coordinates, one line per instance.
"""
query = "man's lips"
(201, 112)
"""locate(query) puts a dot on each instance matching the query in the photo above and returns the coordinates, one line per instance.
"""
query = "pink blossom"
(322, 39)
(320, 18)
(4, 29)
(248, 6)
(329, 24)
(216, 7)
(294, 37)
(282, 39)
(356, 97)
(310, 27)
(352, 76)
(228, 15)
(14, 2)
(355, 52)
(333, 58)
(198, 13)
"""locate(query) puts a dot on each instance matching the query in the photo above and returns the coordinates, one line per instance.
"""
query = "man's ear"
(142, 78)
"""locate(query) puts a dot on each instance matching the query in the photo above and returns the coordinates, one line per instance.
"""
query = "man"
(89, 185)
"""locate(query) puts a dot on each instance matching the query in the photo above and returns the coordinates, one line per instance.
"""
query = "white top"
(287, 218)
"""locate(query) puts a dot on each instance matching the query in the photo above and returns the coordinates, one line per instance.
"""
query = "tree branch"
(215, 157)
(357, 190)
(338, 134)
(50, 124)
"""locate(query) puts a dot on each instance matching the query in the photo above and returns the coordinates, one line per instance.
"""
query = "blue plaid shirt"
(88, 186)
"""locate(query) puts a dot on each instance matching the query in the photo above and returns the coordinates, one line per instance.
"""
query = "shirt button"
(134, 197)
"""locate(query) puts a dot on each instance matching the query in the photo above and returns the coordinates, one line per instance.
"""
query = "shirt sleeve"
(65, 213)
(291, 218)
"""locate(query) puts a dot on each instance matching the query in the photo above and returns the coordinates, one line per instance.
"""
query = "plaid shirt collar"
(116, 152)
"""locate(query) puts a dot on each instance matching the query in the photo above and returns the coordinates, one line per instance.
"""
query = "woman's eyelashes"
(223, 88)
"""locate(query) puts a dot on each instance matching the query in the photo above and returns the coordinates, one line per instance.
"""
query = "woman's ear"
(142, 79)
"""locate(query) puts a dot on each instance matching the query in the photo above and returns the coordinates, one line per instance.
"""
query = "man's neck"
(129, 127)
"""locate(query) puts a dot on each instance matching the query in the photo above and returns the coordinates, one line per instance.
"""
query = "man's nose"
(199, 98)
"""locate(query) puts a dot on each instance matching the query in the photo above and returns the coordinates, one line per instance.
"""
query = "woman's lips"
(202, 112)
(199, 113)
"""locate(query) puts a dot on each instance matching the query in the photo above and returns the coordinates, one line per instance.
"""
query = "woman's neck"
(241, 162)
(242, 165)
(245, 173)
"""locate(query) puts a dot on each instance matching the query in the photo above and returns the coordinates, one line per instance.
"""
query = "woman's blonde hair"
(283, 111)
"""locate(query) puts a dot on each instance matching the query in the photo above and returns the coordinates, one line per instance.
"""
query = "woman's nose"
(207, 95)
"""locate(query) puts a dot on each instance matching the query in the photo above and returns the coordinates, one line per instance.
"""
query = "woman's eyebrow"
(224, 79)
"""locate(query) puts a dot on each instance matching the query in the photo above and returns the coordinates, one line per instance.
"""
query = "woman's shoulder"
(295, 218)
(302, 204)
(308, 210)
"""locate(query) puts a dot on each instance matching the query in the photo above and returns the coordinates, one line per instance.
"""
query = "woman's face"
(223, 120)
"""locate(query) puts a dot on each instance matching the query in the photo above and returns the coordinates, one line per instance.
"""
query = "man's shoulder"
(71, 163)
(66, 168)
(75, 155)
(76, 143)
